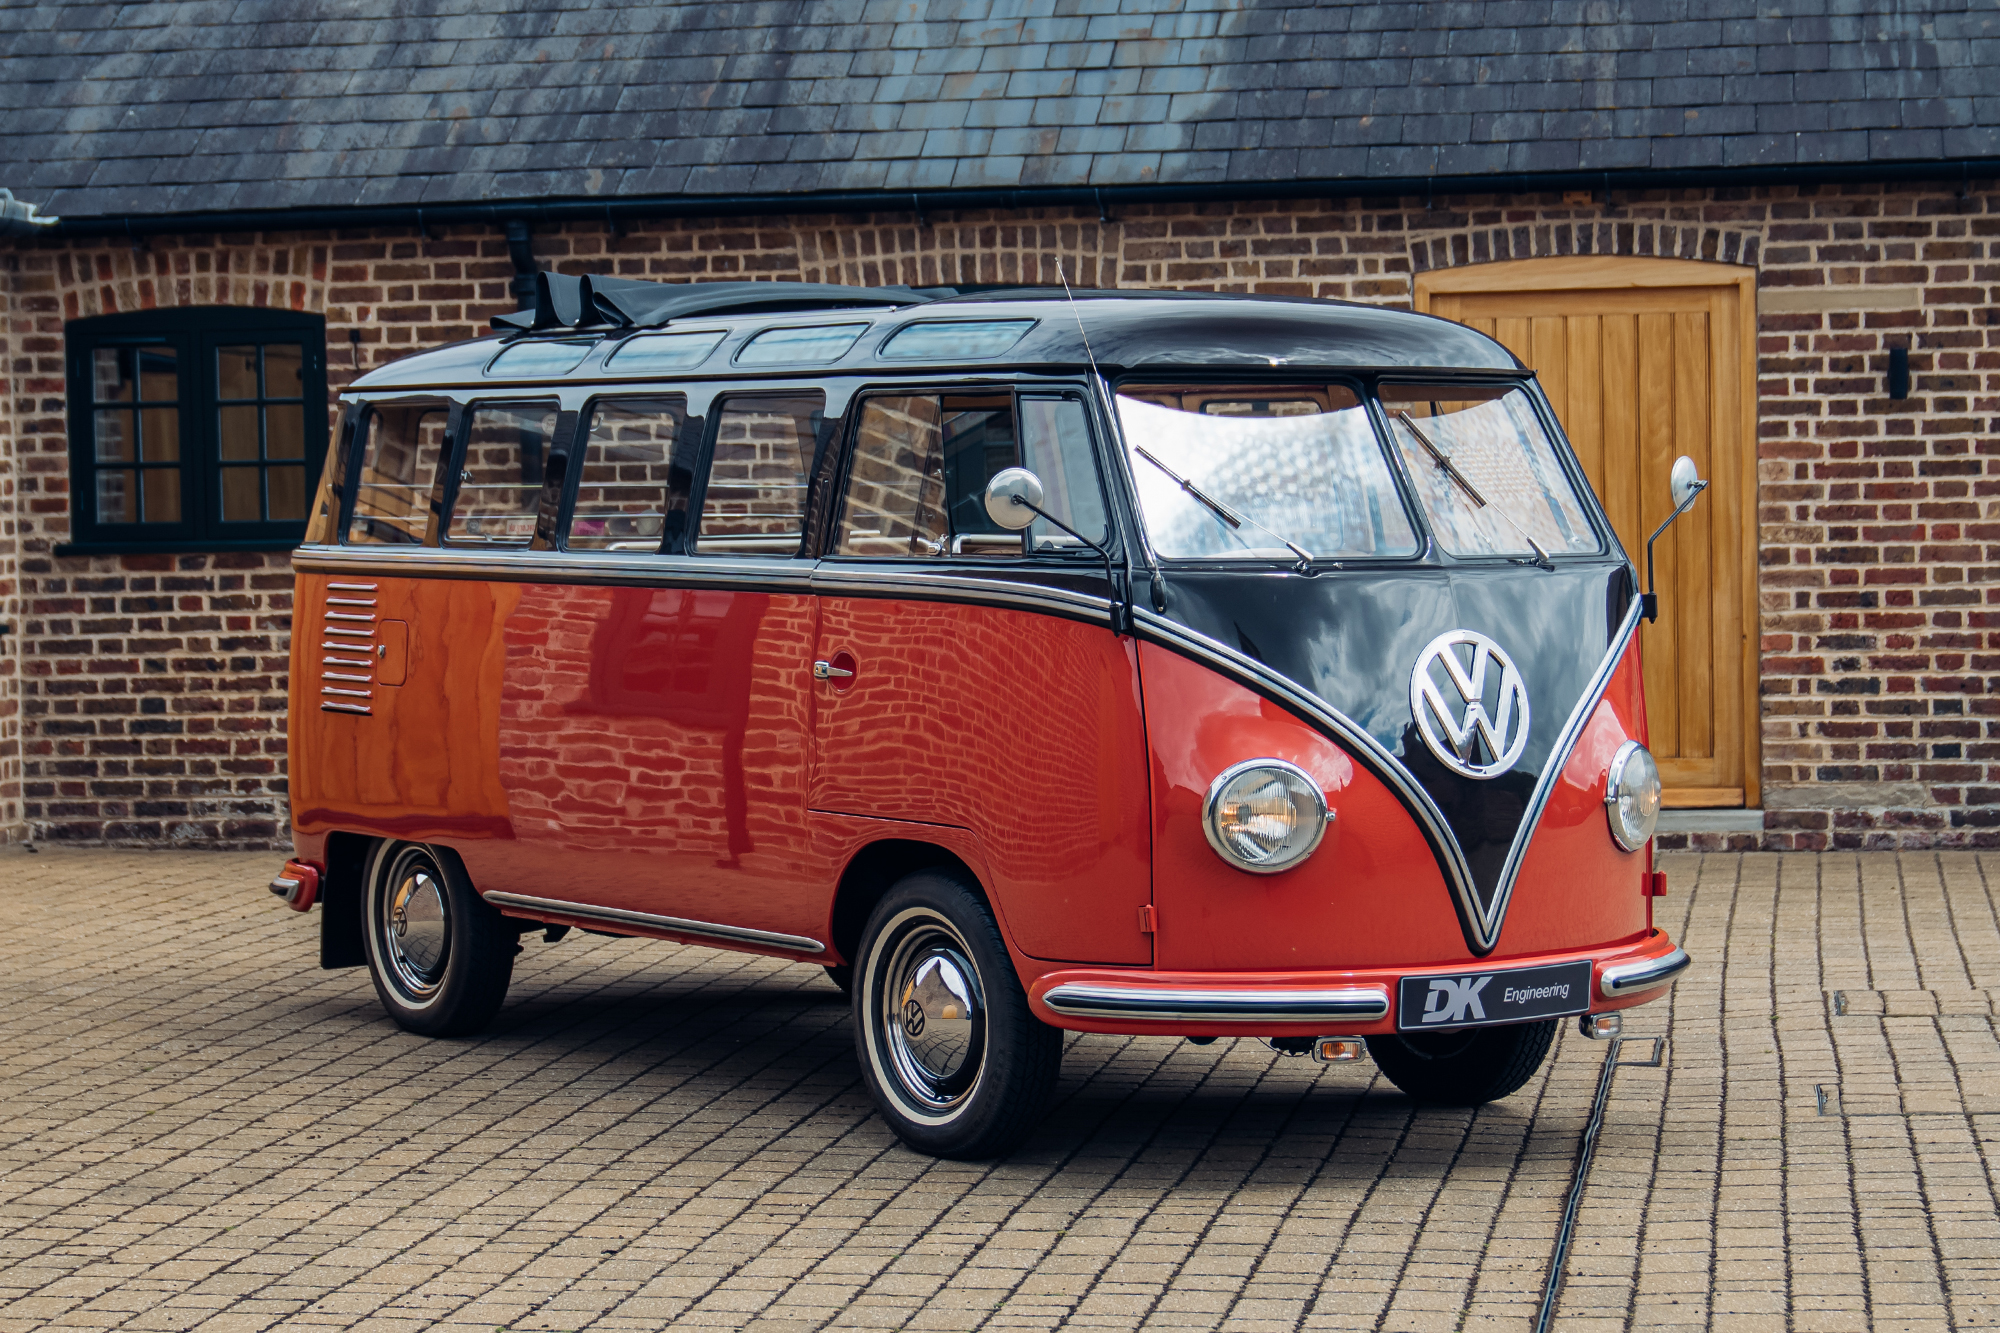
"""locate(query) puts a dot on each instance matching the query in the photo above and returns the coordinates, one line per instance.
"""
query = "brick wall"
(149, 691)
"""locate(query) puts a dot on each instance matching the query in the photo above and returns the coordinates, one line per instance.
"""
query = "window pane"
(237, 427)
(895, 482)
(160, 435)
(162, 494)
(236, 372)
(654, 352)
(1055, 439)
(824, 342)
(539, 359)
(286, 490)
(284, 431)
(284, 370)
(115, 443)
(159, 377)
(755, 503)
(111, 379)
(628, 485)
(917, 484)
(240, 501)
(1494, 440)
(506, 451)
(399, 461)
(117, 496)
(956, 340)
(1300, 465)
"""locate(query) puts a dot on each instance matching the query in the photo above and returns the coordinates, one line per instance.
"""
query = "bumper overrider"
(1361, 1002)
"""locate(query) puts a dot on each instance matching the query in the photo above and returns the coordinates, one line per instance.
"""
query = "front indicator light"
(1264, 815)
(1632, 795)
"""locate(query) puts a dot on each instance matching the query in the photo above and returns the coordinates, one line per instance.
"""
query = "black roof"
(193, 106)
(1125, 330)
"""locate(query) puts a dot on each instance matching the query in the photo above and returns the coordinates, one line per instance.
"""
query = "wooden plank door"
(1639, 374)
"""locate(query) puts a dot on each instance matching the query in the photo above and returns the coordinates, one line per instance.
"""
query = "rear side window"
(754, 502)
(400, 451)
(500, 481)
(917, 481)
(629, 489)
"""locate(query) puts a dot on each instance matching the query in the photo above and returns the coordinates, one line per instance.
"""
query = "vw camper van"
(1138, 662)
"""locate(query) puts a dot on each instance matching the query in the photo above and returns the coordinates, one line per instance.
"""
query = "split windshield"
(1298, 473)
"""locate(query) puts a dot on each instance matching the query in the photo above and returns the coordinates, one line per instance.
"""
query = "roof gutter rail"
(1960, 171)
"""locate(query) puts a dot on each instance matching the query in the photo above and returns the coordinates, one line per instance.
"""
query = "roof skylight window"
(794, 346)
(534, 359)
(651, 353)
(954, 340)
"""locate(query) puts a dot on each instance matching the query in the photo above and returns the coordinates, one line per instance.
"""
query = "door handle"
(828, 671)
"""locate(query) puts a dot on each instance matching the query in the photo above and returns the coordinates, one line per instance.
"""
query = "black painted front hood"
(1351, 639)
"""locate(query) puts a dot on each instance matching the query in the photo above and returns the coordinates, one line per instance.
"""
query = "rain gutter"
(615, 211)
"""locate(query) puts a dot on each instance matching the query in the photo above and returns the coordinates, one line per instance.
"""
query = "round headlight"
(1632, 795)
(1264, 815)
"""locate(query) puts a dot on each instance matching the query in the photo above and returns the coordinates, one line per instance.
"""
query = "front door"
(1645, 360)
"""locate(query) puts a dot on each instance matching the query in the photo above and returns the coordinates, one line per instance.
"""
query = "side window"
(917, 480)
(754, 502)
(500, 481)
(630, 493)
(400, 451)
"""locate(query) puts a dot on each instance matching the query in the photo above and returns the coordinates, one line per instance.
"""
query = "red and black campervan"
(1138, 662)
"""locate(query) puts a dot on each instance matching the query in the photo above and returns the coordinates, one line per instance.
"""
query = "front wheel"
(440, 956)
(1467, 1067)
(956, 1061)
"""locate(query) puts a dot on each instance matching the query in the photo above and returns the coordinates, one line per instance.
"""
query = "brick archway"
(1509, 238)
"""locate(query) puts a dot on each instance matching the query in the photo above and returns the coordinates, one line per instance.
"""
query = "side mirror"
(1014, 498)
(1684, 483)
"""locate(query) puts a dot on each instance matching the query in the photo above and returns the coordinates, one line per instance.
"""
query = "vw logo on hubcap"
(1456, 675)
(913, 1019)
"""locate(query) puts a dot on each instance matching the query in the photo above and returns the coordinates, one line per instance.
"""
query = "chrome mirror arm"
(1649, 601)
(1121, 599)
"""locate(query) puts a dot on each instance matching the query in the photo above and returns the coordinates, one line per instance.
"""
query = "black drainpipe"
(1958, 172)
(520, 248)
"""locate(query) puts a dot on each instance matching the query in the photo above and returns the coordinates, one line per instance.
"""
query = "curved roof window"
(813, 343)
(651, 353)
(954, 340)
(525, 359)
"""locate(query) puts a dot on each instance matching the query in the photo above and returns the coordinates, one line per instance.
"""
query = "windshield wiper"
(1225, 513)
(1450, 469)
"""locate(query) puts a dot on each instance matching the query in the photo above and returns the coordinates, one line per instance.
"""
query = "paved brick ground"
(198, 1129)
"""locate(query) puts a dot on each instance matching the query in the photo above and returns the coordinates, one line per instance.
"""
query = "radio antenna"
(1121, 598)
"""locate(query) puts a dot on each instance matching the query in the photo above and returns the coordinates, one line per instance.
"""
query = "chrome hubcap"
(415, 933)
(933, 1017)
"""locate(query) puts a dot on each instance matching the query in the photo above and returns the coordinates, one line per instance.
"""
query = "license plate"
(1471, 999)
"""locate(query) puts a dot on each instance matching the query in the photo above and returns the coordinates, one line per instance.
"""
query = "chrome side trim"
(1652, 973)
(1346, 1004)
(679, 925)
(613, 568)
(844, 579)
(1559, 754)
(1451, 857)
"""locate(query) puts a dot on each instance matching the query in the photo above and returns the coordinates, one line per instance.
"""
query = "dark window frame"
(196, 333)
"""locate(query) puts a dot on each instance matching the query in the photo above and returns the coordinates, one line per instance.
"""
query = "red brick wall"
(149, 691)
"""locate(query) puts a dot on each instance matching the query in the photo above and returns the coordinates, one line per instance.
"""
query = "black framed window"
(195, 429)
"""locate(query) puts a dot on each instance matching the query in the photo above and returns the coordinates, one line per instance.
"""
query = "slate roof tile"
(207, 103)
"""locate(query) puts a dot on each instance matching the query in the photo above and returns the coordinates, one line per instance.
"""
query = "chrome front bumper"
(1349, 1004)
(1623, 979)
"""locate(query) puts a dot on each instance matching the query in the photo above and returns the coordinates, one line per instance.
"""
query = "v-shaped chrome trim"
(1481, 924)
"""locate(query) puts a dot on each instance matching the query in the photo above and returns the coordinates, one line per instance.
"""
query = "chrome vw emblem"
(913, 1019)
(1449, 694)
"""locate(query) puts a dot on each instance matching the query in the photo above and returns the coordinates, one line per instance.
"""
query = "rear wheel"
(1468, 1067)
(956, 1061)
(440, 955)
